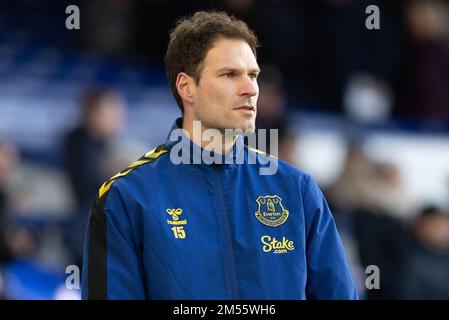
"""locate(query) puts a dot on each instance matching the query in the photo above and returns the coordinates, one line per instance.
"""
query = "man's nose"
(248, 87)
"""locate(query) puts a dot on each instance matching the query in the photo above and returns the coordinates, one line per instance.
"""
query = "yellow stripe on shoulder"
(153, 154)
(105, 188)
(121, 174)
(148, 157)
(260, 152)
(137, 163)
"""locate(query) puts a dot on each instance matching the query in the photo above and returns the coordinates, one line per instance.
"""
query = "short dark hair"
(194, 36)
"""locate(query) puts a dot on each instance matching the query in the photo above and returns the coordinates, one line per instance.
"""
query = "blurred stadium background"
(366, 112)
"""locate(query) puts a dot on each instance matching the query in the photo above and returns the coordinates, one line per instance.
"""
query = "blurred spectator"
(353, 189)
(288, 142)
(424, 77)
(370, 186)
(271, 104)
(392, 195)
(427, 272)
(15, 241)
(345, 226)
(383, 241)
(367, 213)
(8, 159)
(86, 145)
(86, 148)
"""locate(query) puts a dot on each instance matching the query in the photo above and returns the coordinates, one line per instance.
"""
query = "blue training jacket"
(158, 230)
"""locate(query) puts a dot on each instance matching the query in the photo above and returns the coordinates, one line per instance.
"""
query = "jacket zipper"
(231, 277)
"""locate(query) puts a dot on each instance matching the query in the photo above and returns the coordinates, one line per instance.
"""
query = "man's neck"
(211, 140)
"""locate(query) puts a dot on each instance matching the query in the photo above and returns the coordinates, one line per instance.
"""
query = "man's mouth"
(247, 107)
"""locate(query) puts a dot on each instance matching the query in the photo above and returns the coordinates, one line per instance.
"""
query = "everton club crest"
(270, 211)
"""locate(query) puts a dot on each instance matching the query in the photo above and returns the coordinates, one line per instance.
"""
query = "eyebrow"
(229, 69)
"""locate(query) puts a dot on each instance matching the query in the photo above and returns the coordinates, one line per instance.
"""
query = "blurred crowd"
(382, 225)
(89, 158)
(314, 55)
(328, 58)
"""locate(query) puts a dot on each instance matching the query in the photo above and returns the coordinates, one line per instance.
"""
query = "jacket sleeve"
(112, 264)
(328, 273)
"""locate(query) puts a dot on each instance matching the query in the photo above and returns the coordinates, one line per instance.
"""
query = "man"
(85, 149)
(427, 272)
(195, 230)
(86, 145)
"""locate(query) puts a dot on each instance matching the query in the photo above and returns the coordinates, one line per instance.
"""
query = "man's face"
(226, 95)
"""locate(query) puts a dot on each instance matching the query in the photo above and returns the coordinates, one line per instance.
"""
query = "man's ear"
(186, 87)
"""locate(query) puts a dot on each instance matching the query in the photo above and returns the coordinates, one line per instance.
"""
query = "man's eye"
(229, 74)
(253, 75)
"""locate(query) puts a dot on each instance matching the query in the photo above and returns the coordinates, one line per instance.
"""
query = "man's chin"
(243, 126)
(247, 127)
(243, 129)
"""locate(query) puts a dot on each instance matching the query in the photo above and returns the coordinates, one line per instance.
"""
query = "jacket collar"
(181, 144)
